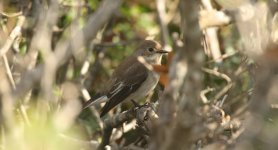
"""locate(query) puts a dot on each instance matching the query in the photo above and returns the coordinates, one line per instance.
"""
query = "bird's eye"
(150, 49)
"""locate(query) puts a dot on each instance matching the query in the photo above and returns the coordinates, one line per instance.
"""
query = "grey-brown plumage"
(133, 79)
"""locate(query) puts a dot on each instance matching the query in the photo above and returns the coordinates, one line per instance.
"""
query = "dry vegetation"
(219, 85)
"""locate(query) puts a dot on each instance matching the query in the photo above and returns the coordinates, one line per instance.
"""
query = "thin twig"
(238, 97)
(222, 92)
(218, 74)
(8, 71)
(225, 77)
(161, 4)
(25, 117)
(139, 113)
(65, 49)
(203, 94)
(10, 15)
(220, 103)
(15, 33)
(224, 56)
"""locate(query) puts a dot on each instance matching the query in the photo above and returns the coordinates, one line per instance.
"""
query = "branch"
(213, 18)
(225, 77)
(211, 37)
(160, 4)
(65, 49)
(203, 94)
(15, 32)
(141, 114)
(83, 37)
(10, 15)
(177, 107)
(10, 40)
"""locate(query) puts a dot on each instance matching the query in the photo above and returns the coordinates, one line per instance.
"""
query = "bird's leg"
(135, 103)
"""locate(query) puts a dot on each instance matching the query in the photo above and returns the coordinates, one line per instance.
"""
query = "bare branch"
(15, 32)
(64, 49)
(203, 94)
(213, 18)
(161, 9)
(11, 14)
(8, 71)
(185, 68)
(141, 114)
(224, 90)
(211, 35)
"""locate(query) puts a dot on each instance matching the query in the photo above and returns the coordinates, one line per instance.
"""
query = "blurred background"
(218, 85)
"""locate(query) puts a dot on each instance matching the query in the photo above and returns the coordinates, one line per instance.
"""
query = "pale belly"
(145, 88)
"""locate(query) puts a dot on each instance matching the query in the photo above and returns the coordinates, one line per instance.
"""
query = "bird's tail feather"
(98, 98)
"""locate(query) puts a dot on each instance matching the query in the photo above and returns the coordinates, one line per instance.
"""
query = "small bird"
(133, 79)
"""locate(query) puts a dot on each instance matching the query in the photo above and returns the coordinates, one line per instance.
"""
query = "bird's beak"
(162, 51)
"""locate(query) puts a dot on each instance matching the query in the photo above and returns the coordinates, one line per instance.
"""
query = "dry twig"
(225, 89)
(141, 114)
(65, 49)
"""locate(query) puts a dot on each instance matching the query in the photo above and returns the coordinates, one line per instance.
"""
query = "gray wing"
(126, 83)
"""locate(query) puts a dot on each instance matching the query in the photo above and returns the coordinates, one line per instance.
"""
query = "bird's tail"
(96, 99)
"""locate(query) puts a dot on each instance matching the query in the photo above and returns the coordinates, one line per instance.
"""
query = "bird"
(133, 79)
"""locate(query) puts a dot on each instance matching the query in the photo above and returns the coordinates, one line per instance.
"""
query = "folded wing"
(126, 83)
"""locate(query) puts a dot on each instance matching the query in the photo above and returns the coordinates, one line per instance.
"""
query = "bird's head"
(151, 51)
